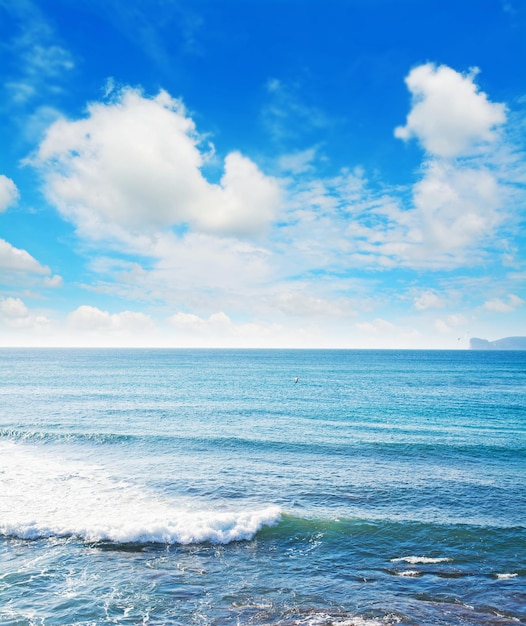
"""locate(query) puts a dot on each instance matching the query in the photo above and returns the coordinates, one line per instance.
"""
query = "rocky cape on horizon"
(508, 343)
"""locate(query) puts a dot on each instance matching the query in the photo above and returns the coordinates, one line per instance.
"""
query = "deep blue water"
(168, 487)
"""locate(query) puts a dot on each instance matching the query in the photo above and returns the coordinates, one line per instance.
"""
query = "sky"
(262, 173)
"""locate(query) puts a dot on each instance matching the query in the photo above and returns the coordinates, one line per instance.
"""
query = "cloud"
(456, 206)
(42, 63)
(37, 123)
(450, 117)
(428, 300)
(18, 260)
(134, 166)
(498, 305)
(219, 330)
(294, 302)
(130, 173)
(244, 203)
(93, 320)
(298, 162)
(50, 60)
(466, 188)
(378, 325)
(53, 281)
(190, 323)
(15, 315)
(443, 221)
(286, 116)
(450, 323)
(8, 193)
(13, 308)
(455, 214)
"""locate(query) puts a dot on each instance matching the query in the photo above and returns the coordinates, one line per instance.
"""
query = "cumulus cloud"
(190, 323)
(92, 319)
(15, 261)
(8, 193)
(219, 330)
(450, 116)
(134, 165)
(244, 203)
(13, 308)
(12, 258)
(15, 315)
(460, 201)
(453, 215)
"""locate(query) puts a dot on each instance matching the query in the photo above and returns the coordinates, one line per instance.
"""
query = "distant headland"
(508, 343)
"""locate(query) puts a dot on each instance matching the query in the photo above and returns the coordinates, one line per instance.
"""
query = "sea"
(262, 487)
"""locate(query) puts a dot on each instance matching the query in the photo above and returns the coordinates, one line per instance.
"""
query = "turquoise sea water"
(180, 487)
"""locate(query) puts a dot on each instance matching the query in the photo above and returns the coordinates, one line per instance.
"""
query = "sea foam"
(46, 496)
(423, 560)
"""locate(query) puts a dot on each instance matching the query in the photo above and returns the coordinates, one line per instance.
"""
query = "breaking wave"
(48, 497)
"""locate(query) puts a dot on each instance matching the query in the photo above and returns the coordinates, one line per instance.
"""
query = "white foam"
(506, 576)
(323, 619)
(410, 573)
(44, 496)
(415, 560)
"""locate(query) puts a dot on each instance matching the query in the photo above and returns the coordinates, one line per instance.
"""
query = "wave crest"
(48, 497)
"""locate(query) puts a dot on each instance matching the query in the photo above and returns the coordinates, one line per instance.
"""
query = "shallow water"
(207, 487)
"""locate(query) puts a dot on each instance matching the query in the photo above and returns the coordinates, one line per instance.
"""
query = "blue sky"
(272, 173)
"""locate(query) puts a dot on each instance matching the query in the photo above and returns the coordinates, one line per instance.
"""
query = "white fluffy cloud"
(91, 319)
(135, 165)
(131, 173)
(460, 201)
(466, 191)
(8, 193)
(15, 315)
(17, 261)
(13, 308)
(449, 116)
(195, 325)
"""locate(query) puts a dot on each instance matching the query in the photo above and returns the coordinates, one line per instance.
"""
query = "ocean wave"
(331, 619)
(183, 527)
(39, 436)
(45, 496)
(415, 560)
